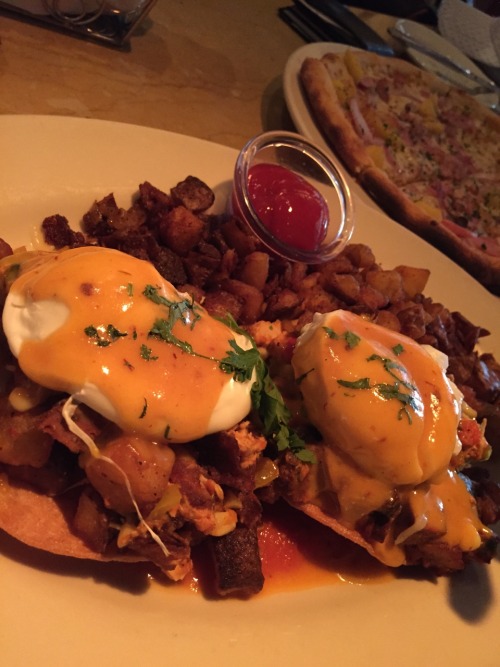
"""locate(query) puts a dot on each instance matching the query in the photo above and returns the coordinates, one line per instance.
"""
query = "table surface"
(208, 69)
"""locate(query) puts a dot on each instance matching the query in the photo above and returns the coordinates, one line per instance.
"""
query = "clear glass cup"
(303, 159)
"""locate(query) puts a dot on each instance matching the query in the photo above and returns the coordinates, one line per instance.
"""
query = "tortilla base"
(41, 522)
(318, 515)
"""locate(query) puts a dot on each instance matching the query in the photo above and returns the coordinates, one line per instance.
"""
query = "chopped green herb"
(12, 272)
(128, 364)
(331, 333)
(361, 383)
(146, 353)
(144, 409)
(239, 362)
(266, 398)
(398, 349)
(178, 310)
(351, 339)
(130, 289)
(388, 391)
(163, 329)
(104, 336)
(302, 377)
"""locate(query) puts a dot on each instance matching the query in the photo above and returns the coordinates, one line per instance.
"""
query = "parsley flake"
(147, 353)
(351, 339)
(104, 336)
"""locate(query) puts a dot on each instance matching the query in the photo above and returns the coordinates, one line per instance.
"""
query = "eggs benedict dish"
(389, 422)
(126, 393)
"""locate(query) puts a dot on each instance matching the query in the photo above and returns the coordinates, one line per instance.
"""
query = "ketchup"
(288, 206)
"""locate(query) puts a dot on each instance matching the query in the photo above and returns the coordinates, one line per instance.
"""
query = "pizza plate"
(305, 123)
(57, 611)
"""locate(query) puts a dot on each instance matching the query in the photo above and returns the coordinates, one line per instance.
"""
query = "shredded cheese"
(67, 413)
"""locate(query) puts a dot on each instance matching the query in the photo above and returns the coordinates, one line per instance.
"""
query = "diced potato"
(345, 286)
(388, 283)
(255, 269)
(414, 279)
(181, 230)
(251, 297)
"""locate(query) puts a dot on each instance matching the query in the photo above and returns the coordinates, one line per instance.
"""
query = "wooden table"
(209, 69)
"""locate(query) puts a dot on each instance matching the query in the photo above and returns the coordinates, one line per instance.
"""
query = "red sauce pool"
(288, 206)
(297, 554)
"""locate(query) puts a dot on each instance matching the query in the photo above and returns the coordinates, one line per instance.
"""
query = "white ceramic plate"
(431, 39)
(57, 612)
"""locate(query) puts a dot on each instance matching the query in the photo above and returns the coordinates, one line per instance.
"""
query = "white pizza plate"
(305, 123)
(57, 611)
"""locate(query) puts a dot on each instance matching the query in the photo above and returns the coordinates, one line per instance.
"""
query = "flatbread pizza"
(425, 151)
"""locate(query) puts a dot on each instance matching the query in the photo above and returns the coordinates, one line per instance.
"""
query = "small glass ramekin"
(300, 156)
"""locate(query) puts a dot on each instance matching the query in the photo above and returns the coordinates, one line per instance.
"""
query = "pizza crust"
(328, 111)
(399, 206)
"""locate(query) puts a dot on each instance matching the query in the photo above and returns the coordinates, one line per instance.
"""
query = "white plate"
(431, 39)
(67, 614)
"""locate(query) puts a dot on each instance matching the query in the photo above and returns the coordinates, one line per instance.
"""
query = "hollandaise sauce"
(107, 329)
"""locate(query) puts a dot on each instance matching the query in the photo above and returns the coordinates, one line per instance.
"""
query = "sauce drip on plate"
(288, 206)
(297, 554)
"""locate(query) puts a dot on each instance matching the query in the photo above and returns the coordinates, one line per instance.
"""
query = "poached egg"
(388, 416)
(107, 329)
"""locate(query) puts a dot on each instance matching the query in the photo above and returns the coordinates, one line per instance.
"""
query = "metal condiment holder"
(105, 21)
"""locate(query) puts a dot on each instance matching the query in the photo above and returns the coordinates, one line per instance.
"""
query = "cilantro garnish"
(362, 383)
(104, 336)
(267, 400)
(147, 353)
(242, 364)
(351, 339)
(183, 311)
(388, 391)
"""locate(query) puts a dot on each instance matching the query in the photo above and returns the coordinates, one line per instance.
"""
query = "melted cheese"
(79, 322)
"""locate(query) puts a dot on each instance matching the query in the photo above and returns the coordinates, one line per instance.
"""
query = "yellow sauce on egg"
(157, 388)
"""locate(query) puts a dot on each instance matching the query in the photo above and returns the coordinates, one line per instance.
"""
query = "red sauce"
(288, 206)
(297, 554)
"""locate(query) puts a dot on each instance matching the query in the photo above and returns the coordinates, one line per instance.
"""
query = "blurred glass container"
(281, 175)
(108, 21)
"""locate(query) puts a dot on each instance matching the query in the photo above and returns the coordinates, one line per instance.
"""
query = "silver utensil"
(483, 84)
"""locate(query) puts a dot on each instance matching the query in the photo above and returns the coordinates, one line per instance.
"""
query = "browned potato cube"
(251, 297)
(389, 283)
(181, 230)
(414, 279)
(255, 269)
